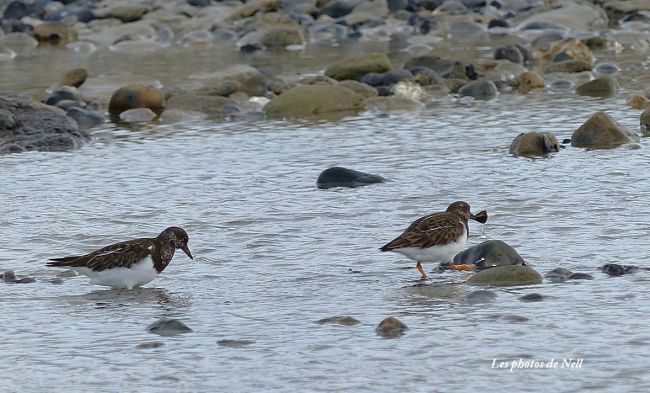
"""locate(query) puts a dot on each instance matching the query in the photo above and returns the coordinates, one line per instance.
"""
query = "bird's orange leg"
(465, 266)
(421, 270)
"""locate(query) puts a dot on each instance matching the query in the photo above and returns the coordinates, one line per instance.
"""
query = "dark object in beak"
(187, 251)
(481, 216)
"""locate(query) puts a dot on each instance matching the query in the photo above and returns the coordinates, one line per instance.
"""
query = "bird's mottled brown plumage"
(126, 254)
(436, 229)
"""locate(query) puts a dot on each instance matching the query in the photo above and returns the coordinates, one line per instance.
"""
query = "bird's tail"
(65, 261)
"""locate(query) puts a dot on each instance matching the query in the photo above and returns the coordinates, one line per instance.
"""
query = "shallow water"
(273, 254)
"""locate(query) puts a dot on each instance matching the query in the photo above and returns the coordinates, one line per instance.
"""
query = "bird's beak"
(481, 216)
(186, 249)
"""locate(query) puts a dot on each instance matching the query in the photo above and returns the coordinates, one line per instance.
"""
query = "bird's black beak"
(186, 249)
(481, 216)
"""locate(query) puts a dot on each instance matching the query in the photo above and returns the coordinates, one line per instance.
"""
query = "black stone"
(489, 254)
(615, 270)
(250, 48)
(168, 327)
(532, 297)
(343, 177)
(199, 3)
(498, 23)
(386, 78)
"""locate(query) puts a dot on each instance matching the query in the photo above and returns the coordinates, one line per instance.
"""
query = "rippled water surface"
(273, 254)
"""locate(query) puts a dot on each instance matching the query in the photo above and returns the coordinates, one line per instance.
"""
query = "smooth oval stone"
(507, 276)
(481, 296)
(168, 327)
(136, 96)
(339, 320)
(391, 327)
(235, 343)
(532, 297)
(343, 177)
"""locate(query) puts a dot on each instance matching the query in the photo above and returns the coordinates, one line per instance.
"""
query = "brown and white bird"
(437, 237)
(128, 264)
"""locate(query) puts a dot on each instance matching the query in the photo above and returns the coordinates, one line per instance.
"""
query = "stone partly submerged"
(603, 87)
(355, 67)
(168, 327)
(534, 144)
(136, 96)
(391, 327)
(510, 275)
(314, 100)
(489, 254)
(344, 177)
(601, 131)
(26, 126)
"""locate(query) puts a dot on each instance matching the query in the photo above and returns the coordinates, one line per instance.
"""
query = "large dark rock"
(343, 177)
(27, 126)
(601, 131)
(489, 254)
(534, 144)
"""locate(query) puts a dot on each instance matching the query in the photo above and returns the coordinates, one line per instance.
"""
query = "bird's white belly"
(443, 253)
(120, 277)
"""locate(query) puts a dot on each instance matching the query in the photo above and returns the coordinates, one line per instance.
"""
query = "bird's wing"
(123, 254)
(434, 229)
